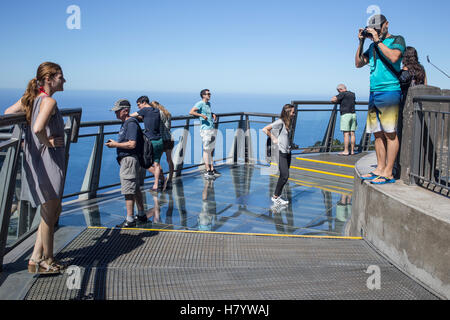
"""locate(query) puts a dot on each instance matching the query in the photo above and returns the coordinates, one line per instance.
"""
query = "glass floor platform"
(238, 201)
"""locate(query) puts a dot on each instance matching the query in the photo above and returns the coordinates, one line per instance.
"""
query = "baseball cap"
(376, 21)
(121, 104)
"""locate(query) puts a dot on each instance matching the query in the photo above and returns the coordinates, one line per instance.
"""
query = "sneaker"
(141, 219)
(276, 208)
(216, 173)
(127, 224)
(279, 201)
(209, 175)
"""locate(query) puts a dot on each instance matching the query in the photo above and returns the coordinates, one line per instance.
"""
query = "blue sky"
(296, 47)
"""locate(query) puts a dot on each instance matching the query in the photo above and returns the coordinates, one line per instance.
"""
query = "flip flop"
(385, 180)
(343, 154)
(372, 176)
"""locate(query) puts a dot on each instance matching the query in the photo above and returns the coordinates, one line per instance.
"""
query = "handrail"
(12, 119)
(322, 102)
(429, 162)
(431, 98)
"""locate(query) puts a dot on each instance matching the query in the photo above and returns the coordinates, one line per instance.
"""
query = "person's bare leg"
(129, 204)
(206, 160)
(346, 143)
(380, 151)
(352, 142)
(43, 248)
(391, 154)
(38, 248)
(157, 175)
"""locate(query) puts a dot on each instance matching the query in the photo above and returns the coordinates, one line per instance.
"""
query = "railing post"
(293, 126)
(416, 143)
(216, 128)
(92, 175)
(180, 152)
(239, 142)
(365, 140)
(327, 142)
(248, 140)
(8, 175)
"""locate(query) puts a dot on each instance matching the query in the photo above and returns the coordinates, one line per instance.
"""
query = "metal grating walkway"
(138, 264)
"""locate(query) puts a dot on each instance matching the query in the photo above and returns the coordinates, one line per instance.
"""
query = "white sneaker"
(279, 201)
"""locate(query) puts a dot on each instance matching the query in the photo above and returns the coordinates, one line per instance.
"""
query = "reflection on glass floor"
(237, 201)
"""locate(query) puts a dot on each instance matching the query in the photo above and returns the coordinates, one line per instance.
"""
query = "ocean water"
(96, 106)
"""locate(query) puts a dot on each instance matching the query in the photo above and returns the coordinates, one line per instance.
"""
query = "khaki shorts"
(129, 171)
(208, 139)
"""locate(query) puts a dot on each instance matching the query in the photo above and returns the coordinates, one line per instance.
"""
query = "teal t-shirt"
(381, 78)
(205, 108)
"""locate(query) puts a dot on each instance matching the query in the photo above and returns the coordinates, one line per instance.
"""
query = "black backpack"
(146, 157)
(144, 148)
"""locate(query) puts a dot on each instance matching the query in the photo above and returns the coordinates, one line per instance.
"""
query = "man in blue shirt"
(126, 146)
(202, 109)
(385, 93)
(152, 122)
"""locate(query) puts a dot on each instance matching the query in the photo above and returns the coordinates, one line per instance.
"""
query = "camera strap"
(387, 63)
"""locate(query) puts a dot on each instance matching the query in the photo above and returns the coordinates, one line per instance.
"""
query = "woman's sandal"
(53, 267)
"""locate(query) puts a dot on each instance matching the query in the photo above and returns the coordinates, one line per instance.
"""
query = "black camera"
(366, 34)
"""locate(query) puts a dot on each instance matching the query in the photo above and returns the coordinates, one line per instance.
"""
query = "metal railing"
(10, 175)
(328, 138)
(430, 154)
(240, 147)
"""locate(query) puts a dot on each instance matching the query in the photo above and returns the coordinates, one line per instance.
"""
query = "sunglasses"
(207, 94)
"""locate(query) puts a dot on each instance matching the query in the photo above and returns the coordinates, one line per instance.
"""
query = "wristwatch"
(378, 42)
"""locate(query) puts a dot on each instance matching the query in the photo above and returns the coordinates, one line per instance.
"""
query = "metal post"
(92, 175)
(180, 152)
(248, 143)
(293, 126)
(416, 143)
(8, 176)
(365, 140)
(327, 141)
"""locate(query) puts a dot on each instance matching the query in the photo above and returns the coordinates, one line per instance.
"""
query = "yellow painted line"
(326, 162)
(233, 233)
(302, 183)
(333, 190)
(306, 182)
(339, 188)
(322, 172)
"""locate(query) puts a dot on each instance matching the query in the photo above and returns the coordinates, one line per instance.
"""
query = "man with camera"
(384, 57)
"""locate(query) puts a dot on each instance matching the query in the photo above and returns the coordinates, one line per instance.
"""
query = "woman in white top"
(282, 127)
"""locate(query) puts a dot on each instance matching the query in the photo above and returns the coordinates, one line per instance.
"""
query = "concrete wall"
(408, 224)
